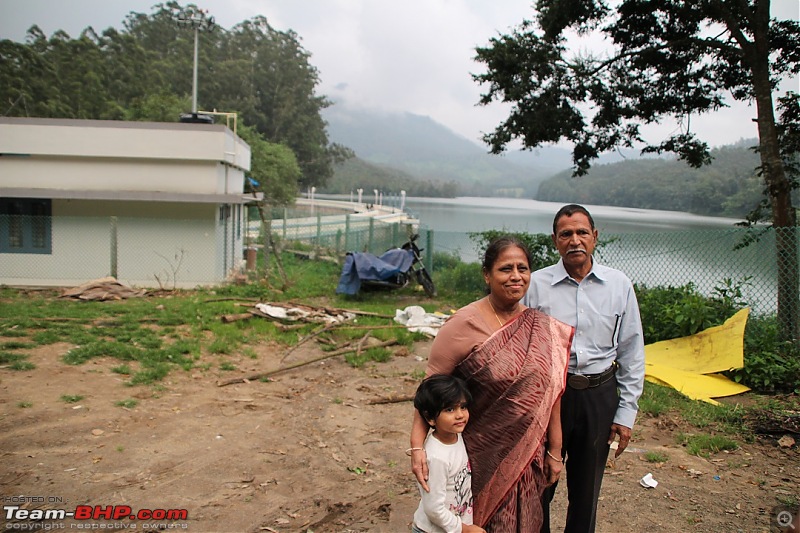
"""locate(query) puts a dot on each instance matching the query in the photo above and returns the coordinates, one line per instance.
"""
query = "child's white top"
(449, 503)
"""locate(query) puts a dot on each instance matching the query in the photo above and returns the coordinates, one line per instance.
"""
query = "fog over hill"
(420, 148)
(424, 149)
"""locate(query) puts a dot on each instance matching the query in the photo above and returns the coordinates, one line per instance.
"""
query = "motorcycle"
(394, 269)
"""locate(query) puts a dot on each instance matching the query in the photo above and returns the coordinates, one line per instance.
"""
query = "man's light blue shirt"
(604, 311)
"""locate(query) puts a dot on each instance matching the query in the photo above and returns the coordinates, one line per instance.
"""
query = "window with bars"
(25, 226)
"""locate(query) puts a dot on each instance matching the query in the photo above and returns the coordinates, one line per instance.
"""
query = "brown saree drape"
(515, 376)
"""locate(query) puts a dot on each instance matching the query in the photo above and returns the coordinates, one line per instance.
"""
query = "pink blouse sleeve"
(456, 339)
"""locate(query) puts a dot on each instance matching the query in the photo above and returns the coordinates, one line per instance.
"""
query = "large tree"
(666, 59)
(262, 73)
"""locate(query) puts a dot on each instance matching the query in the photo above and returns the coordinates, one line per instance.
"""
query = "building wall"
(151, 244)
(103, 178)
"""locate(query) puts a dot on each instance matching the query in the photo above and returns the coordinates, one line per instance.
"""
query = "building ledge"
(127, 196)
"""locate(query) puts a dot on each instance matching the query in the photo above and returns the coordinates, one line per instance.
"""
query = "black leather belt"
(587, 381)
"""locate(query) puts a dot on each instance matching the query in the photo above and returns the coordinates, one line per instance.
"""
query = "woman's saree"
(515, 377)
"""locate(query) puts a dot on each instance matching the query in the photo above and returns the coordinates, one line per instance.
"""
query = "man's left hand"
(624, 437)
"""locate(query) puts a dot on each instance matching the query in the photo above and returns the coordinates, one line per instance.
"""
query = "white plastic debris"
(417, 320)
(648, 482)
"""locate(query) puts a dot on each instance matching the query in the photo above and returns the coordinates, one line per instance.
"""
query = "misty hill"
(403, 151)
(729, 186)
(424, 150)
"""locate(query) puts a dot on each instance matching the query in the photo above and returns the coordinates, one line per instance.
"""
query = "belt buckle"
(578, 381)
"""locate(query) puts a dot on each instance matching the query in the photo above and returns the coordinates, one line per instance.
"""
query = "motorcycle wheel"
(427, 283)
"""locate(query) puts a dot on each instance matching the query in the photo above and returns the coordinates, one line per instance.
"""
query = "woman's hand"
(472, 529)
(419, 466)
(553, 465)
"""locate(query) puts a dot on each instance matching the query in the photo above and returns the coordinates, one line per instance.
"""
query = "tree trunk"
(784, 218)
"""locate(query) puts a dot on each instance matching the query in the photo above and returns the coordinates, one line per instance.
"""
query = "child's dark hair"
(438, 392)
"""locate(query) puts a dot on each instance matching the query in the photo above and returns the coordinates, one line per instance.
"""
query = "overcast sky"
(402, 56)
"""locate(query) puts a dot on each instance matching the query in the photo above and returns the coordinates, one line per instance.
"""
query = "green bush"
(464, 282)
(445, 261)
(770, 365)
(673, 312)
(543, 251)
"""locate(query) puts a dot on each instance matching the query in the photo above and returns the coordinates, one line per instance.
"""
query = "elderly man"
(606, 366)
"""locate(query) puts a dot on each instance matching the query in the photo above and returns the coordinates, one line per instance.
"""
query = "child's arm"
(434, 502)
(469, 528)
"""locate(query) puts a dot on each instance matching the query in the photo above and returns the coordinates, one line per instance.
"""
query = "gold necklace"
(489, 299)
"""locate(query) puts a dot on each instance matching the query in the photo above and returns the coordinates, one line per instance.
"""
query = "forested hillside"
(144, 72)
(430, 153)
(729, 186)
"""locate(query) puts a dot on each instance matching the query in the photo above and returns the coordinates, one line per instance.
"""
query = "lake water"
(655, 248)
(470, 214)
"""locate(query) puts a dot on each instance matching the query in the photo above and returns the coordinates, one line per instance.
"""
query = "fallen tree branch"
(261, 375)
(337, 310)
(238, 316)
(392, 399)
(311, 335)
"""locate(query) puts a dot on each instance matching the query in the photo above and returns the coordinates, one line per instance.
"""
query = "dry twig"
(261, 375)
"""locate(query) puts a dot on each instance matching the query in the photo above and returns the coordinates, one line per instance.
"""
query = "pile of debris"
(102, 289)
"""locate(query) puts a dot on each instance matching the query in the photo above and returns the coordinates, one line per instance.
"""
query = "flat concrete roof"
(135, 196)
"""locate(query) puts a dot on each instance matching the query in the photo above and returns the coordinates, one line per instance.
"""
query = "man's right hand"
(419, 466)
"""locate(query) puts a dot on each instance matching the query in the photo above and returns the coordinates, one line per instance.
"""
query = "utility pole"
(198, 20)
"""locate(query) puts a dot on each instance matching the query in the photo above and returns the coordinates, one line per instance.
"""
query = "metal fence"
(341, 233)
(705, 258)
(145, 252)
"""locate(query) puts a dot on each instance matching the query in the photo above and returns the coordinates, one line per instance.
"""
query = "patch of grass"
(220, 347)
(125, 370)
(227, 366)
(22, 365)
(11, 357)
(16, 345)
(788, 501)
(147, 376)
(71, 398)
(418, 374)
(657, 400)
(704, 445)
(24, 405)
(130, 403)
(102, 348)
(656, 457)
(379, 355)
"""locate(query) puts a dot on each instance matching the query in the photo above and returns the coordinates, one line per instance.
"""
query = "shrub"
(543, 251)
(770, 365)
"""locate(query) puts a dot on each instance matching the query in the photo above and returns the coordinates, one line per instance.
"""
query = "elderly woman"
(514, 360)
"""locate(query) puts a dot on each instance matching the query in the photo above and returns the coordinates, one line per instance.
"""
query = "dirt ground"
(308, 452)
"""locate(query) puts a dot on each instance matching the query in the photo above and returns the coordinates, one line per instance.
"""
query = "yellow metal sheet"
(684, 363)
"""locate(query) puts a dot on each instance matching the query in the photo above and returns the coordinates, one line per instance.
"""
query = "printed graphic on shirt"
(462, 487)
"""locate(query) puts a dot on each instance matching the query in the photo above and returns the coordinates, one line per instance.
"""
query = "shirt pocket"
(608, 330)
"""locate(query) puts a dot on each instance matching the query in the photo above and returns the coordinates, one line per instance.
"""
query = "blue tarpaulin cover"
(367, 267)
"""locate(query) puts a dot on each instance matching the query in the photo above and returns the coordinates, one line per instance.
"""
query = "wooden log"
(261, 375)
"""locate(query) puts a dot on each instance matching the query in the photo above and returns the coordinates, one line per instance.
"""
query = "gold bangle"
(559, 459)
(411, 450)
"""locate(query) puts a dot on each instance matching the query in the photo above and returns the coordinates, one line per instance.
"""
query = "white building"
(153, 204)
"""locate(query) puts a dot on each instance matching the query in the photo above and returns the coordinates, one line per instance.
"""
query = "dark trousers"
(586, 418)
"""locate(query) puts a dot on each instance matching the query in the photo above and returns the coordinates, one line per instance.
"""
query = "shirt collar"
(560, 273)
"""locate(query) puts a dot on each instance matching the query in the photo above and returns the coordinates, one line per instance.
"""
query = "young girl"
(443, 401)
